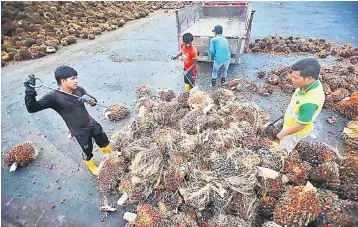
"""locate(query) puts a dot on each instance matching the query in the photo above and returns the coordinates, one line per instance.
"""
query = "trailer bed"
(203, 27)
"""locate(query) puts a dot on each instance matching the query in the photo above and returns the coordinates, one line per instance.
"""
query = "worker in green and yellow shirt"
(305, 105)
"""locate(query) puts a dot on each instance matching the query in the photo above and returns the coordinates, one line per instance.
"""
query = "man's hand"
(186, 73)
(174, 57)
(280, 135)
(30, 80)
(88, 100)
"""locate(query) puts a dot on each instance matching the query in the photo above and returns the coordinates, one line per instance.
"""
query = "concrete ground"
(110, 68)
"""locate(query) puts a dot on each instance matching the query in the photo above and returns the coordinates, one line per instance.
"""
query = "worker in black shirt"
(72, 110)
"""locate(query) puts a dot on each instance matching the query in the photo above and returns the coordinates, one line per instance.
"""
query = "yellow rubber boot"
(187, 87)
(107, 149)
(92, 167)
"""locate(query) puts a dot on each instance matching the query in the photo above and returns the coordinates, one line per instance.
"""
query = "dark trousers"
(86, 143)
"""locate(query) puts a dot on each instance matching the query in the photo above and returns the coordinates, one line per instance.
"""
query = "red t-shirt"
(189, 54)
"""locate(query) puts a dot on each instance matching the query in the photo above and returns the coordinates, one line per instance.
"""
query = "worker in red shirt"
(190, 56)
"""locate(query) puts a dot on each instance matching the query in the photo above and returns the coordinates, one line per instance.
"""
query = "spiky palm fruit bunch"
(146, 102)
(143, 126)
(332, 100)
(222, 220)
(348, 169)
(351, 133)
(349, 191)
(164, 112)
(349, 107)
(326, 175)
(116, 112)
(120, 140)
(126, 186)
(212, 121)
(297, 171)
(167, 95)
(300, 206)
(172, 180)
(337, 212)
(144, 90)
(181, 220)
(315, 152)
(183, 98)
(148, 216)
(189, 124)
(267, 207)
(199, 99)
(275, 187)
(245, 206)
(252, 141)
(218, 140)
(270, 224)
(270, 158)
(252, 114)
(168, 201)
(147, 165)
(166, 138)
(178, 115)
(22, 154)
(137, 146)
(111, 171)
(222, 96)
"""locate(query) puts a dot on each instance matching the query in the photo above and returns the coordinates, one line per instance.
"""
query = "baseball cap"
(218, 29)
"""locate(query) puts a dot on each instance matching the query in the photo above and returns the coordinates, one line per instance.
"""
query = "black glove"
(174, 57)
(30, 80)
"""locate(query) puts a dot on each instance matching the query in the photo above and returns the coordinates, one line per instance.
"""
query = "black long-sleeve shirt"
(70, 108)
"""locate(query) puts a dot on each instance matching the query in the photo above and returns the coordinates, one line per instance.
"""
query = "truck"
(200, 19)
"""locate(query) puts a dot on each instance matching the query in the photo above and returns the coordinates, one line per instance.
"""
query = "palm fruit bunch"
(326, 175)
(116, 112)
(270, 224)
(315, 153)
(275, 187)
(348, 170)
(148, 216)
(111, 171)
(221, 220)
(337, 212)
(350, 133)
(120, 140)
(300, 206)
(22, 154)
(222, 96)
(143, 126)
(349, 107)
(270, 158)
(171, 180)
(167, 95)
(189, 124)
(181, 220)
(178, 115)
(164, 137)
(297, 171)
(176, 160)
(336, 96)
(126, 186)
(267, 206)
(146, 102)
(245, 206)
(183, 98)
(199, 99)
(144, 90)
(165, 111)
(168, 201)
(218, 140)
(211, 121)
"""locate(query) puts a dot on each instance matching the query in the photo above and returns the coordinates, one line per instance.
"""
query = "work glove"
(87, 99)
(30, 80)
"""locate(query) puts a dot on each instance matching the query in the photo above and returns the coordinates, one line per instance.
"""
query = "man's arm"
(84, 92)
(305, 116)
(291, 130)
(32, 105)
(212, 49)
(178, 55)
